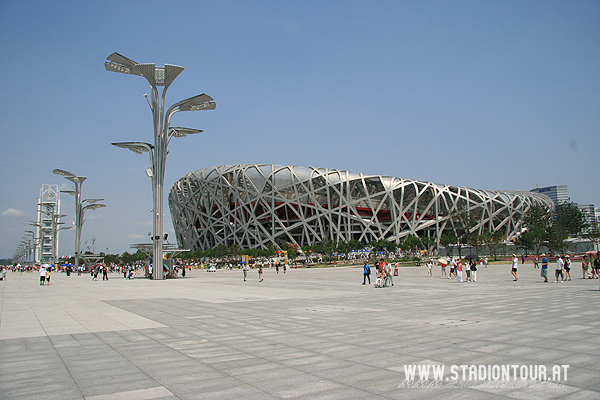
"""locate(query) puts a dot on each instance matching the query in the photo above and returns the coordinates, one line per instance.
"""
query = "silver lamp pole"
(158, 76)
(32, 237)
(79, 207)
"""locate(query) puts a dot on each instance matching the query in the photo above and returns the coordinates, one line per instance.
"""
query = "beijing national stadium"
(261, 205)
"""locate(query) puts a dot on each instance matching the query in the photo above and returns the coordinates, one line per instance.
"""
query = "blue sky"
(483, 94)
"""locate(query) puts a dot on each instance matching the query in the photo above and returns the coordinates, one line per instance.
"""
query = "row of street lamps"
(163, 133)
(27, 250)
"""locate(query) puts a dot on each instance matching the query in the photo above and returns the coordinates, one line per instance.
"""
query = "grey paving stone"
(214, 336)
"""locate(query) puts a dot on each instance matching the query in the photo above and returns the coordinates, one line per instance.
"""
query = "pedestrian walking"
(452, 267)
(260, 272)
(568, 268)
(42, 274)
(429, 267)
(474, 271)
(459, 278)
(585, 266)
(544, 272)
(515, 263)
(559, 268)
(245, 268)
(468, 270)
(366, 273)
(536, 264)
(48, 273)
(104, 273)
(388, 272)
(485, 261)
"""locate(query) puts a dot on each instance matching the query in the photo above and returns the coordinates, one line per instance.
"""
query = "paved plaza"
(306, 334)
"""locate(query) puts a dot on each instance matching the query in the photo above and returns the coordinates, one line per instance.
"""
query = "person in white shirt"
(515, 263)
(468, 269)
(560, 263)
(388, 272)
(245, 268)
(42, 274)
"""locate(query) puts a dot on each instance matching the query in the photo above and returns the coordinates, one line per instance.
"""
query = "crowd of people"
(462, 269)
(590, 267)
(465, 269)
(457, 266)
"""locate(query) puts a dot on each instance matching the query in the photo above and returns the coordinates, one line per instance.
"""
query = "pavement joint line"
(327, 332)
(54, 348)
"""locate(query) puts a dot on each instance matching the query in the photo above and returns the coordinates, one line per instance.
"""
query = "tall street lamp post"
(80, 207)
(31, 235)
(25, 246)
(163, 132)
(36, 241)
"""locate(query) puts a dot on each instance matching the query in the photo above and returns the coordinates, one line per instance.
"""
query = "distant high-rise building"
(591, 215)
(559, 194)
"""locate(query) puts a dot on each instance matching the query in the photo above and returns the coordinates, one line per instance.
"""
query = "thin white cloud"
(132, 236)
(11, 212)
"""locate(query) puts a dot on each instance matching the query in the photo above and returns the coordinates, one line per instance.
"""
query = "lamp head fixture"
(136, 147)
(156, 76)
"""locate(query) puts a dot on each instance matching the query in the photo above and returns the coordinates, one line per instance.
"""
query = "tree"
(570, 218)
(383, 245)
(429, 242)
(525, 241)
(462, 224)
(411, 242)
(233, 250)
(221, 251)
(447, 240)
(494, 241)
(593, 233)
(474, 240)
(326, 247)
(343, 247)
(354, 244)
(538, 221)
(557, 235)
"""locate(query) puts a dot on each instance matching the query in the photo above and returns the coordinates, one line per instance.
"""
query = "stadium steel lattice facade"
(261, 205)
